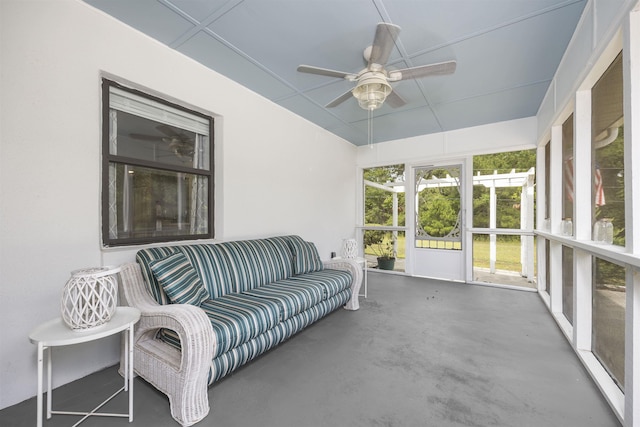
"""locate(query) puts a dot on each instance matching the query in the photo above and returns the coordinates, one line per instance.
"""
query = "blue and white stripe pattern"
(225, 363)
(305, 256)
(238, 318)
(144, 257)
(179, 280)
(332, 281)
(261, 293)
(256, 262)
(212, 265)
(291, 297)
(230, 361)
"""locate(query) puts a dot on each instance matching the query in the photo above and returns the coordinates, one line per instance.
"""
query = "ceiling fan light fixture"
(371, 92)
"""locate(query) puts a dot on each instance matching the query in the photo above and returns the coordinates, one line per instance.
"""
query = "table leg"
(130, 368)
(39, 398)
(49, 397)
(366, 268)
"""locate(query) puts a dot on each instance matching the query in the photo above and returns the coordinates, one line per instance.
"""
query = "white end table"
(56, 333)
(363, 261)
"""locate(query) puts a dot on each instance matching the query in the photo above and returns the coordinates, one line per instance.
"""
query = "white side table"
(55, 333)
(362, 261)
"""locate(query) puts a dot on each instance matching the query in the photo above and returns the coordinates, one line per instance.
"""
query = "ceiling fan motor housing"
(372, 90)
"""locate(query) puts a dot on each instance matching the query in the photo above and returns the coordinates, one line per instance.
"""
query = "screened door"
(438, 250)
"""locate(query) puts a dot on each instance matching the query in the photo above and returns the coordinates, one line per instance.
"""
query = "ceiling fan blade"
(383, 43)
(440, 68)
(325, 72)
(168, 130)
(394, 100)
(339, 100)
(143, 137)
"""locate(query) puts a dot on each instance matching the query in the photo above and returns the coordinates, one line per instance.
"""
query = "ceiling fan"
(180, 144)
(373, 86)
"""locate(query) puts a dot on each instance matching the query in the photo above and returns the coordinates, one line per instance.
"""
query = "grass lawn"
(507, 253)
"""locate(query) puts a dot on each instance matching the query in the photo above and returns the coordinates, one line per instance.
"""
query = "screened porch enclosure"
(503, 250)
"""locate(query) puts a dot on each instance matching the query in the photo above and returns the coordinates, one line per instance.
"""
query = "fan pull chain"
(370, 129)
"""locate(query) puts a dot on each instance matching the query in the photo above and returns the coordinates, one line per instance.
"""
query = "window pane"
(608, 150)
(438, 213)
(153, 203)
(609, 298)
(547, 180)
(502, 259)
(146, 139)
(547, 262)
(500, 180)
(384, 202)
(567, 166)
(567, 283)
(382, 245)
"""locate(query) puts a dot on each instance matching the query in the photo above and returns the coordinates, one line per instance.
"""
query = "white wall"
(278, 174)
(496, 137)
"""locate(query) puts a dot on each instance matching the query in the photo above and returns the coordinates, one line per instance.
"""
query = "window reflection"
(609, 296)
(608, 151)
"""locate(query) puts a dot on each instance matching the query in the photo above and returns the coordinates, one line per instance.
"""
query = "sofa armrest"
(182, 375)
(356, 273)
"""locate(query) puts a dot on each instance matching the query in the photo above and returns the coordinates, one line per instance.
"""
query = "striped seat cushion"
(293, 296)
(231, 360)
(332, 281)
(238, 318)
(255, 263)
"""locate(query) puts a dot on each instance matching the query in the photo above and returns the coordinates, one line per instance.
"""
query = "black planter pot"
(386, 263)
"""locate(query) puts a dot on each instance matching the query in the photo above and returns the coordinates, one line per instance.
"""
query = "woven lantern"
(90, 297)
(349, 248)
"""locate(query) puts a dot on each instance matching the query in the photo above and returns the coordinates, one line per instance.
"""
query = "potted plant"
(383, 248)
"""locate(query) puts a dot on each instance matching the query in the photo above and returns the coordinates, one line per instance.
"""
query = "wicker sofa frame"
(184, 371)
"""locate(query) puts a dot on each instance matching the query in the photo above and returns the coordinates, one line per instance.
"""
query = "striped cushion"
(225, 363)
(332, 281)
(305, 256)
(146, 256)
(238, 318)
(212, 265)
(231, 360)
(291, 297)
(256, 262)
(179, 280)
(283, 246)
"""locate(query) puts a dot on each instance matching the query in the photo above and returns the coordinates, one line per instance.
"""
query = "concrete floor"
(418, 353)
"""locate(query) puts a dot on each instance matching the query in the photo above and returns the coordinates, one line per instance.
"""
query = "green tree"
(508, 199)
(378, 203)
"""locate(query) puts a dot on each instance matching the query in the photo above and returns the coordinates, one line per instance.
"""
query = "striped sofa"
(208, 308)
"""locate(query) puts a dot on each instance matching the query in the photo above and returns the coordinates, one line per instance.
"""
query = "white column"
(555, 210)
(492, 224)
(541, 212)
(529, 256)
(583, 198)
(631, 71)
(395, 222)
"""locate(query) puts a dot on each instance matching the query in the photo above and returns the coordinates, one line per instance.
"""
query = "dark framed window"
(157, 169)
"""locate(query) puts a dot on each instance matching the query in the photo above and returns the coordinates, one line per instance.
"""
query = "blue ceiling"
(507, 52)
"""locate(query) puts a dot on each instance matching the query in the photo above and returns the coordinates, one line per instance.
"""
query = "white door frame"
(456, 261)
